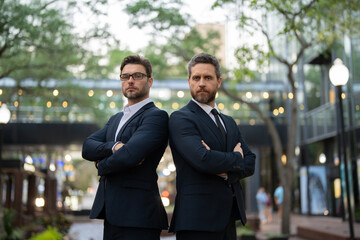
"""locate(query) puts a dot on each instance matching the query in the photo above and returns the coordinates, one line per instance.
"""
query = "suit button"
(229, 185)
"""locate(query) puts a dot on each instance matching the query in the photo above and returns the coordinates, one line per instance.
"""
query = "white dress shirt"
(129, 111)
(208, 109)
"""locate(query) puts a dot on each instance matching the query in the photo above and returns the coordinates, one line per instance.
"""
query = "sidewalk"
(313, 227)
(86, 229)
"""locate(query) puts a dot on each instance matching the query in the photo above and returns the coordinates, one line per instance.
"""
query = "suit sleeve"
(96, 147)
(150, 135)
(248, 162)
(186, 139)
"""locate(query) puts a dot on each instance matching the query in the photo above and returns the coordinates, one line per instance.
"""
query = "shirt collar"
(206, 107)
(136, 107)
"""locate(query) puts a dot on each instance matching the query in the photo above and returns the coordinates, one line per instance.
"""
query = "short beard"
(136, 95)
(206, 99)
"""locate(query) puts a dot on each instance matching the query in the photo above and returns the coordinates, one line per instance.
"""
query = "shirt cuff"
(114, 147)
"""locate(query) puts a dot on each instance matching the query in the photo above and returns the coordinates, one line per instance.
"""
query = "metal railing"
(320, 123)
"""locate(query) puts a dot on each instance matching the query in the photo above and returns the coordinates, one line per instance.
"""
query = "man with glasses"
(127, 152)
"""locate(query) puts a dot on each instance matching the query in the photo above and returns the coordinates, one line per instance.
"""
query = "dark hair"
(136, 59)
(204, 58)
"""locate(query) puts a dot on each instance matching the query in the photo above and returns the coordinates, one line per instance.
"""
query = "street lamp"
(4, 114)
(339, 75)
(4, 119)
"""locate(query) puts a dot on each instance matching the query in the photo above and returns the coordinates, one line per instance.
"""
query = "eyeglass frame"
(132, 75)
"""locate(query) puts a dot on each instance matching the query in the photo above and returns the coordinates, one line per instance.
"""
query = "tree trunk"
(288, 174)
(274, 134)
(285, 172)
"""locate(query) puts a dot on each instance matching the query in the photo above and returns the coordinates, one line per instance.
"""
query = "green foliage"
(10, 231)
(182, 40)
(104, 66)
(60, 222)
(38, 41)
(244, 231)
(277, 236)
(161, 15)
(178, 51)
(50, 234)
(357, 214)
(34, 37)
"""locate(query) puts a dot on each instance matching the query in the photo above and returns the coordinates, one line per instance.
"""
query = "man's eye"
(137, 75)
(196, 78)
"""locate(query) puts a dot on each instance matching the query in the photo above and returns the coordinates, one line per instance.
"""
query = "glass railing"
(321, 122)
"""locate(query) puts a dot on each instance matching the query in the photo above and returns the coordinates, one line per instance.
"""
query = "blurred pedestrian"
(268, 208)
(279, 197)
(261, 200)
(211, 158)
(127, 152)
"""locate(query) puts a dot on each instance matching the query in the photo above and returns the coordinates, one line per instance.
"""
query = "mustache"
(202, 90)
(133, 87)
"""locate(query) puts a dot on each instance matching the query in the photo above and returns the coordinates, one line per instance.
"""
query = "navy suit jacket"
(204, 200)
(128, 193)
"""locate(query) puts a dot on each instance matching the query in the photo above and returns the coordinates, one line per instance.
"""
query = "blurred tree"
(175, 39)
(311, 27)
(39, 40)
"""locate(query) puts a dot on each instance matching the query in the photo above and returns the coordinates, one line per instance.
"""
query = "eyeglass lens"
(135, 76)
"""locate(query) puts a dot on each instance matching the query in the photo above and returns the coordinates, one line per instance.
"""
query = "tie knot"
(214, 112)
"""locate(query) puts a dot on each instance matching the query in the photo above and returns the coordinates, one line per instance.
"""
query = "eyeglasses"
(135, 76)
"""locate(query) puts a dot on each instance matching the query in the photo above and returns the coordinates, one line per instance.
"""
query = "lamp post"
(339, 75)
(4, 119)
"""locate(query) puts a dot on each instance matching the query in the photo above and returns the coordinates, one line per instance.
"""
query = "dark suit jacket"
(128, 193)
(204, 200)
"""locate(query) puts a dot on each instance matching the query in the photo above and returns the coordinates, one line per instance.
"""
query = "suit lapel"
(114, 125)
(206, 119)
(141, 110)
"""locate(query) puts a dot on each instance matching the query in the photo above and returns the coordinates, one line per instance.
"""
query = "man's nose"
(202, 82)
(131, 79)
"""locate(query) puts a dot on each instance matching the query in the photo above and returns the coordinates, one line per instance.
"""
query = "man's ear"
(150, 81)
(219, 81)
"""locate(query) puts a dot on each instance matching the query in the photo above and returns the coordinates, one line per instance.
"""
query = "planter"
(278, 237)
(247, 237)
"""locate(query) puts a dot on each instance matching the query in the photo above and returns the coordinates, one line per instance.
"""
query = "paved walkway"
(85, 229)
(321, 224)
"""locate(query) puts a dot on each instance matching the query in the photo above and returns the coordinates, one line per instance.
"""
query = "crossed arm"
(151, 133)
(237, 148)
(186, 139)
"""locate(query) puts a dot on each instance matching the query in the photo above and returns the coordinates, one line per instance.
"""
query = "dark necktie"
(220, 126)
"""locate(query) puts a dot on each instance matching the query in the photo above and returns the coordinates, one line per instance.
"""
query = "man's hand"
(223, 175)
(205, 145)
(238, 148)
(118, 146)
(141, 162)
